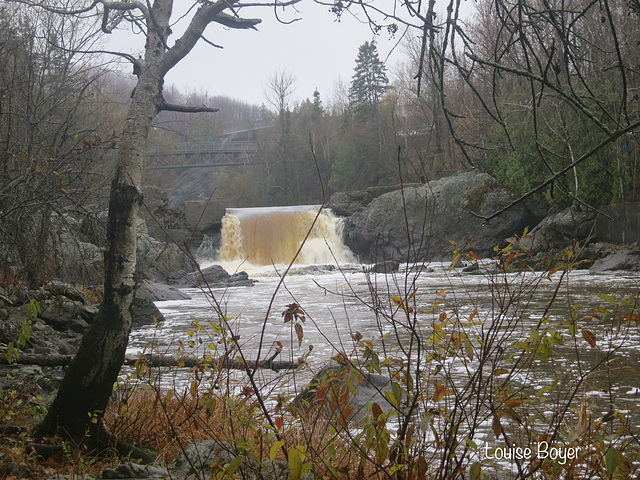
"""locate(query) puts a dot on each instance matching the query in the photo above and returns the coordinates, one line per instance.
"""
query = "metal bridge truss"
(203, 155)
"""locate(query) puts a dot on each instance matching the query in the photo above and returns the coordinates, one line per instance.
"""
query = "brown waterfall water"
(273, 235)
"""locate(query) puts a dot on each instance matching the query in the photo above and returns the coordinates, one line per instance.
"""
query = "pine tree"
(369, 81)
(317, 108)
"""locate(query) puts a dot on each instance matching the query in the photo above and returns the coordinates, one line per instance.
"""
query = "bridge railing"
(204, 147)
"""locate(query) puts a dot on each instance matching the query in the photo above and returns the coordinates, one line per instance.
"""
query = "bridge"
(203, 155)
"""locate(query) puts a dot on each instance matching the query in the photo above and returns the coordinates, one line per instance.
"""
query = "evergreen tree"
(369, 81)
(317, 108)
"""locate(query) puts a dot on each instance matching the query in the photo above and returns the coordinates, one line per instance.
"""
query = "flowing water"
(339, 299)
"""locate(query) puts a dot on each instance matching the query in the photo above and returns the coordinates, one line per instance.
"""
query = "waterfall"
(273, 235)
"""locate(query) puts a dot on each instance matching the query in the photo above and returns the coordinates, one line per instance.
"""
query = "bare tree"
(278, 90)
(54, 130)
(88, 383)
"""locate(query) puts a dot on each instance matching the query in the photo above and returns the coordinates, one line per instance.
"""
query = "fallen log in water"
(189, 361)
(156, 360)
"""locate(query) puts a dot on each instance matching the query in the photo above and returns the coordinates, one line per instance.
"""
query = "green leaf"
(608, 298)
(475, 471)
(425, 422)
(297, 466)
(235, 464)
(611, 460)
(397, 391)
(274, 449)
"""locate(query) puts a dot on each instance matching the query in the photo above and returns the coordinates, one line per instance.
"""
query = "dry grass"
(167, 422)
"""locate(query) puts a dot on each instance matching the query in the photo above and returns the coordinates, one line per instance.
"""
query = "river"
(591, 321)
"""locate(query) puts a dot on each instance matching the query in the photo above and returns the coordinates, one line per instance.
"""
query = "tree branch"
(236, 22)
(172, 107)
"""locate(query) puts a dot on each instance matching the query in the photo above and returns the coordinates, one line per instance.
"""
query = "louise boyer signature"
(540, 450)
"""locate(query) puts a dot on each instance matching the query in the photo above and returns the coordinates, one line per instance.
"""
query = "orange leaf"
(590, 337)
(496, 427)
(321, 395)
(377, 411)
(513, 402)
(509, 259)
(439, 391)
(278, 422)
(500, 371)
(299, 333)
(632, 317)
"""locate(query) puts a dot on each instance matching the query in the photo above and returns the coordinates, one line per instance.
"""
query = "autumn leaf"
(513, 402)
(439, 391)
(590, 337)
(293, 311)
(496, 427)
(299, 333)
(500, 371)
(377, 411)
(398, 301)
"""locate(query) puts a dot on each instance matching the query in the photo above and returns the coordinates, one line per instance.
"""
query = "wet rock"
(158, 260)
(624, 259)
(134, 470)
(217, 277)
(345, 204)
(388, 266)
(561, 230)
(158, 292)
(363, 387)
(17, 470)
(145, 312)
(203, 458)
(312, 270)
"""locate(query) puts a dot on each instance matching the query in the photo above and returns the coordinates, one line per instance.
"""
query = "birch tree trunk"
(88, 383)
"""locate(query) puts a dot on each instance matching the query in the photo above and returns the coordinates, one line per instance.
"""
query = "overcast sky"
(317, 50)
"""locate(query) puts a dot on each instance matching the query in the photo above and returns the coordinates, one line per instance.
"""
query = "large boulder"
(159, 261)
(216, 276)
(562, 229)
(444, 211)
(345, 204)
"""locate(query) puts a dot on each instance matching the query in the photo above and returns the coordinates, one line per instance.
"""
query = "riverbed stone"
(145, 312)
(134, 470)
(159, 292)
(345, 204)
(388, 266)
(200, 459)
